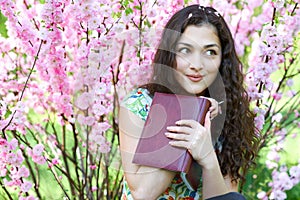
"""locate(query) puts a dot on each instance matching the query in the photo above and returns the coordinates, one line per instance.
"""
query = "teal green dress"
(138, 102)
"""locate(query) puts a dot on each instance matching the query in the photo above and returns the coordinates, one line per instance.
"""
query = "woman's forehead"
(200, 35)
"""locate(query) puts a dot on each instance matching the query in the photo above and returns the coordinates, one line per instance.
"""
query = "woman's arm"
(214, 183)
(196, 139)
(144, 182)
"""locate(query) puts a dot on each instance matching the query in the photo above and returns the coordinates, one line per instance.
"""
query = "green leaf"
(3, 30)
(8, 113)
(137, 7)
(128, 11)
(125, 3)
(257, 11)
(147, 23)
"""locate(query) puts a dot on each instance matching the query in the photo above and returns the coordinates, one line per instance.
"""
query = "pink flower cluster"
(12, 171)
(282, 180)
(36, 154)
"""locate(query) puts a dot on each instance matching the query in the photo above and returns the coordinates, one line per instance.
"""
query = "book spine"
(186, 164)
(204, 106)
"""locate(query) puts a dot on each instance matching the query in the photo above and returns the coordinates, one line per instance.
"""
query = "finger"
(207, 122)
(180, 143)
(180, 129)
(213, 114)
(213, 108)
(187, 122)
(176, 136)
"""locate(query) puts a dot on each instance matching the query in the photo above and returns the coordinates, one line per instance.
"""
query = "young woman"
(196, 56)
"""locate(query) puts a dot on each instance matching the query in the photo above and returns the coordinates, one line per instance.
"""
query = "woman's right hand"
(194, 137)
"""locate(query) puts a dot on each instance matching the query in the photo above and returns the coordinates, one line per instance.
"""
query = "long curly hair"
(234, 128)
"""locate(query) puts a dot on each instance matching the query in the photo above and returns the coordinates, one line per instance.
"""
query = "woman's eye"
(183, 50)
(211, 52)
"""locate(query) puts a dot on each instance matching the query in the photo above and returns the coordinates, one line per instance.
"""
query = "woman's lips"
(195, 78)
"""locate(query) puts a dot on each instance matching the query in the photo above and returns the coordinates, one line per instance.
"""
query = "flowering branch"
(25, 85)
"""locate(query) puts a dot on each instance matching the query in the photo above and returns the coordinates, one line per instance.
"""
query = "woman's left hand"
(215, 108)
(194, 137)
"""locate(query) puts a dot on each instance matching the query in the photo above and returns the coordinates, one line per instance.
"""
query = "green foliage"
(3, 30)
(260, 176)
(128, 11)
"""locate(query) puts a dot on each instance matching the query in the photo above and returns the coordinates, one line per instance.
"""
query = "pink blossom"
(89, 120)
(101, 88)
(28, 198)
(278, 195)
(99, 109)
(151, 12)
(20, 157)
(94, 188)
(11, 183)
(296, 113)
(290, 82)
(101, 127)
(253, 93)
(55, 161)
(39, 159)
(3, 108)
(273, 156)
(94, 22)
(38, 149)
(93, 166)
(3, 143)
(86, 120)
(98, 139)
(277, 96)
(26, 186)
(291, 93)
(12, 145)
(12, 158)
(262, 195)
(23, 172)
(259, 121)
(295, 174)
(3, 171)
(278, 4)
(104, 147)
(284, 181)
(83, 101)
(277, 117)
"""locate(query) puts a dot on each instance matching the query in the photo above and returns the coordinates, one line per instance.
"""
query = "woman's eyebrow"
(185, 44)
(211, 45)
(204, 47)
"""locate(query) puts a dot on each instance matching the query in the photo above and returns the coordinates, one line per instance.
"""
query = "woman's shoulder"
(138, 101)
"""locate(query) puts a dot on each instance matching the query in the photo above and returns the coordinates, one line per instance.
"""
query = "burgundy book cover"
(153, 148)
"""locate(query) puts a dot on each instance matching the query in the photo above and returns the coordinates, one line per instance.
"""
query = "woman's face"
(198, 58)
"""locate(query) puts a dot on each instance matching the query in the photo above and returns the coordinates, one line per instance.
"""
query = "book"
(153, 148)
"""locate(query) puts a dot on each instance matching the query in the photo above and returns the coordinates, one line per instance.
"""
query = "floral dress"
(139, 101)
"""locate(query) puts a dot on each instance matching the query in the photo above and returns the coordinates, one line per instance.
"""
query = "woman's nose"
(196, 63)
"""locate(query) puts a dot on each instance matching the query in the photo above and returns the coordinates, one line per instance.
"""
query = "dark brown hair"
(238, 137)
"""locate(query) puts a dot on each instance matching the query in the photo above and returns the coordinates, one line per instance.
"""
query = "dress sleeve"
(138, 101)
